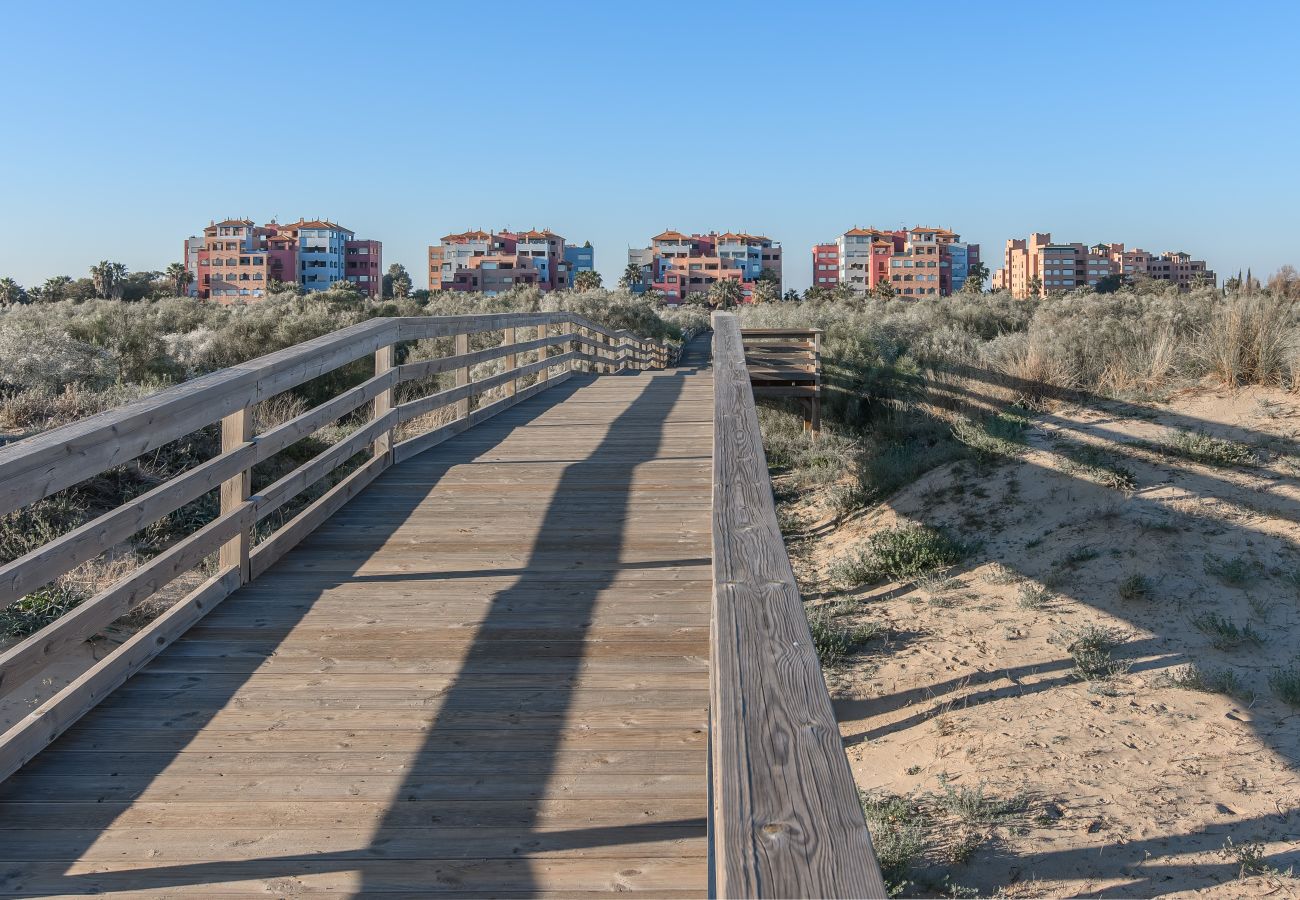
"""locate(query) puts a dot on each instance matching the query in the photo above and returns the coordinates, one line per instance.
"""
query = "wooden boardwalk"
(486, 675)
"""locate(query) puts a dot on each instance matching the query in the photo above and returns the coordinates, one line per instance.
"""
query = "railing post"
(817, 383)
(236, 430)
(543, 331)
(508, 340)
(383, 445)
(462, 374)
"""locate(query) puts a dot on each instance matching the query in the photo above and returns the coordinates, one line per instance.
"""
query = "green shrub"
(1225, 634)
(38, 609)
(835, 641)
(899, 553)
(1286, 684)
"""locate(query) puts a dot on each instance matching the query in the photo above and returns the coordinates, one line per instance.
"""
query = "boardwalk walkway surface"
(486, 675)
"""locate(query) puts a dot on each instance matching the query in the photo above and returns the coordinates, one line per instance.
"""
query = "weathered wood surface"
(487, 674)
(786, 821)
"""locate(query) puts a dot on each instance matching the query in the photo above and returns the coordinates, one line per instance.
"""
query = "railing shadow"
(593, 493)
(1158, 864)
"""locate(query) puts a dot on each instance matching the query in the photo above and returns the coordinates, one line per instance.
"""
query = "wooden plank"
(312, 874)
(785, 812)
(383, 403)
(347, 842)
(260, 814)
(236, 432)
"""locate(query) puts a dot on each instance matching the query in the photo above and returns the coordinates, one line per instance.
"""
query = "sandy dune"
(1128, 785)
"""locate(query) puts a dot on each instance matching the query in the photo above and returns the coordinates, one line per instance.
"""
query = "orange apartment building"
(1036, 266)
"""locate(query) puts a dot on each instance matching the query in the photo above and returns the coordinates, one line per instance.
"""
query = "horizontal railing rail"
(389, 402)
(786, 363)
(784, 810)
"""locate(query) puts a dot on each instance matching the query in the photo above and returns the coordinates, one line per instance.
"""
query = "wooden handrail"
(36, 468)
(785, 815)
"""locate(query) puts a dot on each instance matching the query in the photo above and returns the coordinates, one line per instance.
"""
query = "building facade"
(918, 262)
(237, 260)
(491, 262)
(1036, 266)
(678, 265)
(581, 258)
(826, 265)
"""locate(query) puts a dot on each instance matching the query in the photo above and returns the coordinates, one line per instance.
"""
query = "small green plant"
(1200, 447)
(1135, 587)
(1077, 557)
(999, 435)
(1096, 465)
(1090, 647)
(38, 609)
(1286, 684)
(1250, 859)
(1237, 571)
(900, 553)
(1224, 633)
(898, 827)
(972, 807)
(835, 641)
(1211, 681)
(1033, 596)
(1002, 574)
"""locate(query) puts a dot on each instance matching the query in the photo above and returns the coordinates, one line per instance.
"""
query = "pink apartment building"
(494, 261)
(237, 260)
(917, 262)
(678, 265)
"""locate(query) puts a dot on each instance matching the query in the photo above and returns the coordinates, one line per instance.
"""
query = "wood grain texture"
(785, 811)
(486, 674)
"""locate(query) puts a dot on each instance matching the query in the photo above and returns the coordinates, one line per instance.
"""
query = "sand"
(1131, 786)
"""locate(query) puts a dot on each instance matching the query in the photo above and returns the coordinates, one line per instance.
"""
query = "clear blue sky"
(1161, 124)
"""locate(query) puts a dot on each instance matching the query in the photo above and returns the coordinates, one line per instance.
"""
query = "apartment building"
(677, 264)
(916, 262)
(826, 265)
(1037, 266)
(494, 261)
(236, 259)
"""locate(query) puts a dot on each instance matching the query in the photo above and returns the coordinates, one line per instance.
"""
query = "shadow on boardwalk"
(404, 851)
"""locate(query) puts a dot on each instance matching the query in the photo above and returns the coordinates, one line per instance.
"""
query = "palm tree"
(726, 293)
(791, 296)
(55, 288)
(11, 292)
(180, 277)
(586, 280)
(975, 278)
(632, 276)
(108, 278)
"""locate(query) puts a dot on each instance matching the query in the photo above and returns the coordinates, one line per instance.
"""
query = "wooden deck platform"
(486, 675)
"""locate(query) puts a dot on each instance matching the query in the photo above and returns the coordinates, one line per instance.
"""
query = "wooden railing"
(785, 815)
(537, 349)
(786, 363)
